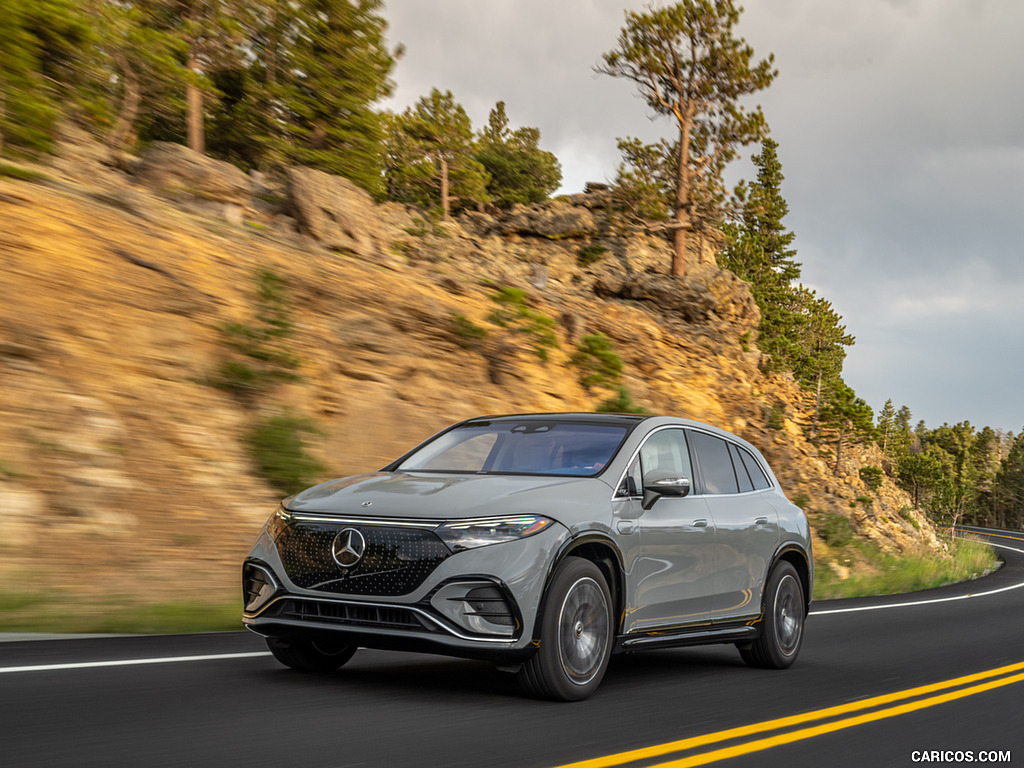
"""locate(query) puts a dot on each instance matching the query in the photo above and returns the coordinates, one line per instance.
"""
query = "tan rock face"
(119, 464)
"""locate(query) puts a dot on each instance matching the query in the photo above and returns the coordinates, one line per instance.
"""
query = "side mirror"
(658, 483)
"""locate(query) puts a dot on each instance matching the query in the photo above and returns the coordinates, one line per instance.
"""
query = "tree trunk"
(194, 114)
(3, 111)
(682, 212)
(839, 450)
(445, 201)
(817, 408)
(129, 105)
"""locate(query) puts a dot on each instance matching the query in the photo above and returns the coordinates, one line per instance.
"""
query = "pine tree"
(847, 417)
(339, 69)
(687, 64)
(519, 171)
(436, 163)
(886, 425)
(822, 342)
(40, 44)
(760, 252)
(645, 180)
(1007, 502)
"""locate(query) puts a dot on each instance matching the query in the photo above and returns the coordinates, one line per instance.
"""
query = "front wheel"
(782, 630)
(310, 655)
(576, 634)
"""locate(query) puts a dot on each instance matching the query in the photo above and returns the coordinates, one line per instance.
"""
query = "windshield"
(522, 448)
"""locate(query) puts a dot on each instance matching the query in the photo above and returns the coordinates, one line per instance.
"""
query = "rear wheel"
(782, 630)
(576, 634)
(310, 655)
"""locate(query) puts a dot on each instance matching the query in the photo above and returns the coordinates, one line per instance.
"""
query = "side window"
(715, 464)
(757, 476)
(666, 451)
(741, 471)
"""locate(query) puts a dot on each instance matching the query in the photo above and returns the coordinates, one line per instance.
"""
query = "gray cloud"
(901, 135)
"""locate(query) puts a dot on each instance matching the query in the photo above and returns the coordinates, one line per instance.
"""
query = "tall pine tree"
(760, 252)
(341, 67)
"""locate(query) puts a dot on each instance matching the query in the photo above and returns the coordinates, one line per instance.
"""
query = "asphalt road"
(873, 687)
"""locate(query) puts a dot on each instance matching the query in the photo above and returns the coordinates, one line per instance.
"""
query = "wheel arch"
(599, 549)
(795, 555)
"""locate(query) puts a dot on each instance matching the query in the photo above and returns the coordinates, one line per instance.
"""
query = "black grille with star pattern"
(395, 562)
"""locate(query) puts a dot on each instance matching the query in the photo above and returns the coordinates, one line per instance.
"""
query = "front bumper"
(478, 603)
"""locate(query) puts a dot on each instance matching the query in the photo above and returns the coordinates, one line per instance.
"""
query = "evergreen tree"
(435, 162)
(211, 40)
(687, 64)
(886, 426)
(847, 418)
(519, 171)
(645, 181)
(40, 44)
(822, 343)
(918, 474)
(759, 251)
(1007, 502)
(339, 68)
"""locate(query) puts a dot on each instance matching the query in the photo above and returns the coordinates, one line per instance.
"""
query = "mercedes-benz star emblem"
(348, 548)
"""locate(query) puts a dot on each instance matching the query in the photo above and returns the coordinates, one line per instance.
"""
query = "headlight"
(278, 522)
(467, 534)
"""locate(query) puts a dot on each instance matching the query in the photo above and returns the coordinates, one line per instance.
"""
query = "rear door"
(746, 526)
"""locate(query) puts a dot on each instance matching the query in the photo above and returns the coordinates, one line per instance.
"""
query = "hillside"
(124, 473)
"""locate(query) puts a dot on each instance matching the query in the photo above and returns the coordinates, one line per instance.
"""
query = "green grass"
(889, 574)
(21, 174)
(28, 612)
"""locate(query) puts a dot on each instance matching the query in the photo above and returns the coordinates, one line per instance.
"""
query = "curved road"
(934, 676)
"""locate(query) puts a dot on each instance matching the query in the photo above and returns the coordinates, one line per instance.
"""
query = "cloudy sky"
(901, 134)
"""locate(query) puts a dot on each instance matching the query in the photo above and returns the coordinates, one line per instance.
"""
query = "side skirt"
(672, 638)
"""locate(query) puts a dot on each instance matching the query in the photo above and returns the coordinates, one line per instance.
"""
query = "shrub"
(834, 529)
(278, 450)
(515, 313)
(872, 477)
(621, 403)
(597, 361)
(257, 355)
(590, 254)
(467, 332)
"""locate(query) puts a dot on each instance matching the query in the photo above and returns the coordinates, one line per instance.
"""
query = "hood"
(436, 497)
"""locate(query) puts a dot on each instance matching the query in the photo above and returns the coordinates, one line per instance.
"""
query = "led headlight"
(278, 522)
(468, 534)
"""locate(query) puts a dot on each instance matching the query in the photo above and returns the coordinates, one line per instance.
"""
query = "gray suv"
(542, 542)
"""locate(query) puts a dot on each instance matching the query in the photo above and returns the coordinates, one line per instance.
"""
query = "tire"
(576, 634)
(310, 655)
(782, 631)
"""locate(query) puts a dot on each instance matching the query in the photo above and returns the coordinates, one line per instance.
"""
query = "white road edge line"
(927, 602)
(130, 662)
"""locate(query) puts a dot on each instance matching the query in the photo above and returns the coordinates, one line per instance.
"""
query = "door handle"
(760, 521)
(702, 523)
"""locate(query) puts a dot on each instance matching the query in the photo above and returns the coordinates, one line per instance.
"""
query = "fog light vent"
(489, 604)
(258, 586)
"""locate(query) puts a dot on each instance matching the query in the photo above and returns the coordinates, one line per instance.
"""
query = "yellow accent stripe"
(807, 717)
(998, 535)
(807, 733)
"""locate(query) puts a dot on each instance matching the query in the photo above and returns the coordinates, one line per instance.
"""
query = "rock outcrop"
(119, 460)
(335, 212)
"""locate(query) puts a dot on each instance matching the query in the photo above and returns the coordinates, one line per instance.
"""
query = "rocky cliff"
(124, 472)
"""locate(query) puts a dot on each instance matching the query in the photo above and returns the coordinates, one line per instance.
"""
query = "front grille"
(395, 562)
(349, 614)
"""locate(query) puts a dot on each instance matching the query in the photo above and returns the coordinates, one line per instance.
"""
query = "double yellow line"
(968, 685)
